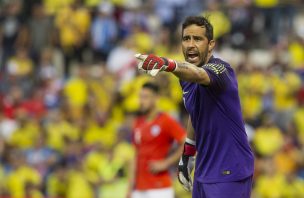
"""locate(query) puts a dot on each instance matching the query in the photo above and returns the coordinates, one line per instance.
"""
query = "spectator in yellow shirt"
(56, 184)
(22, 180)
(76, 92)
(268, 138)
(270, 184)
(78, 184)
(296, 52)
(221, 22)
(59, 130)
(253, 86)
(53, 6)
(285, 88)
(288, 158)
(108, 167)
(26, 134)
(20, 65)
(73, 22)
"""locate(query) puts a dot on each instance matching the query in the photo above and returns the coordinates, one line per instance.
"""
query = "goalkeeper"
(215, 132)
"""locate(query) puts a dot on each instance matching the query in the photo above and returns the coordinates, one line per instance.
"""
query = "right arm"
(191, 73)
(185, 71)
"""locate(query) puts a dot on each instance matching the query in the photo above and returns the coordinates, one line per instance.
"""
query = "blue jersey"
(223, 151)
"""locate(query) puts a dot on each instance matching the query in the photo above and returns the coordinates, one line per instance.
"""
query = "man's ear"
(211, 45)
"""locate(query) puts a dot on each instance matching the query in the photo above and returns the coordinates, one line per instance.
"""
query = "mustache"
(191, 49)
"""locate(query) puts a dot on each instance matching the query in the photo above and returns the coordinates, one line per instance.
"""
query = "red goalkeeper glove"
(186, 164)
(153, 64)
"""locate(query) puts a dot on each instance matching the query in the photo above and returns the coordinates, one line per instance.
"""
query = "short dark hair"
(199, 21)
(151, 86)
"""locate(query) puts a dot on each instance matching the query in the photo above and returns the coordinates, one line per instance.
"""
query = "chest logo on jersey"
(226, 172)
(155, 130)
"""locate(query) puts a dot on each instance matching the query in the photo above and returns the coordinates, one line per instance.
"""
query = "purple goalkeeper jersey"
(223, 151)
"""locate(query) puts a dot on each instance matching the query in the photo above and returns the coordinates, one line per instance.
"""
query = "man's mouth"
(192, 57)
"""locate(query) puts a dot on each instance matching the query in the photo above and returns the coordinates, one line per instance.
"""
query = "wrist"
(167, 163)
(190, 141)
(189, 147)
(171, 64)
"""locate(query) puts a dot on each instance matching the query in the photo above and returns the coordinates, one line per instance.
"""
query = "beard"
(204, 57)
(143, 111)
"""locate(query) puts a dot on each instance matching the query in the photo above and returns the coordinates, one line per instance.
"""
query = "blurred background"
(69, 87)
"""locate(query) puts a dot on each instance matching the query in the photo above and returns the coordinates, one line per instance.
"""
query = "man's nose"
(190, 45)
(191, 42)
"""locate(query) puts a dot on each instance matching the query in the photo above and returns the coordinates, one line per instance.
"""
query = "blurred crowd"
(69, 89)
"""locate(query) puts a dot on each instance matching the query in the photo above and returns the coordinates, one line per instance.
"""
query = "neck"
(208, 58)
(151, 114)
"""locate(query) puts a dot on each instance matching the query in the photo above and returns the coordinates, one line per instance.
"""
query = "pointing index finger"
(140, 57)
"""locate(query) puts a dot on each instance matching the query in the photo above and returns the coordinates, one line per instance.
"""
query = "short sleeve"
(175, 130)
(218, 74)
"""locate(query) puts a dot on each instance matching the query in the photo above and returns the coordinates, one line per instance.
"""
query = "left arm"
(162, 165)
